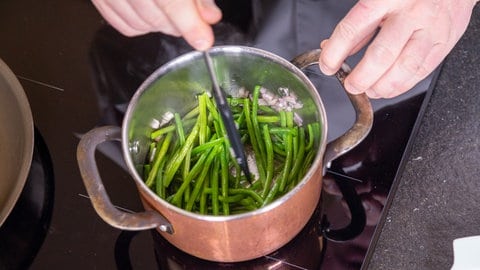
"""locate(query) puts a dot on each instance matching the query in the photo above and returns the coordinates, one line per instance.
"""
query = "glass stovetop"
(78, 74)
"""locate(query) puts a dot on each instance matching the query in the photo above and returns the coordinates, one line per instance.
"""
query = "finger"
(371, 93)
(360, 22)
(410, 67)
(115, 20)
(380, 55)
(129, 15)
(152, 15)
(357, 47)
(184, 15)
(209, 11)
(362, 43)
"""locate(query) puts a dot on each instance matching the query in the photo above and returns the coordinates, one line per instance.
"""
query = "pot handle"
(360, 102)
(96, 190)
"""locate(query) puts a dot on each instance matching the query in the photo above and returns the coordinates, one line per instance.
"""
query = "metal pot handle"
(96, 190)
(361, 104)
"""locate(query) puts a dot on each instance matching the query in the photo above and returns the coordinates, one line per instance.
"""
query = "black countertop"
(437, 197)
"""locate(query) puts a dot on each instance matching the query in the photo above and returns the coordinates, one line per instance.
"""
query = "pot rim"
(21, 105)
(171, 65)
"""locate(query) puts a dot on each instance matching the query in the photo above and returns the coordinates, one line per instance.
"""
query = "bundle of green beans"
(190, 164)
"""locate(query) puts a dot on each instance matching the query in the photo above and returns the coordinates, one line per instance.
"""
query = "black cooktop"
(79, 73)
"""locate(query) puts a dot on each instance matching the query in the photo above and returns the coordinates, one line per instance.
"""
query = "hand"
(414, 37)
(191, 19)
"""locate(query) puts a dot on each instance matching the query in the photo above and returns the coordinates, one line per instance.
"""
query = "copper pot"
(231, 238)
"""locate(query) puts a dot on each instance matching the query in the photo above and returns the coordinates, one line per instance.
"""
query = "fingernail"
(323, 43)
(350, 88)
(325, 69)
(372, 94)
(201, 44)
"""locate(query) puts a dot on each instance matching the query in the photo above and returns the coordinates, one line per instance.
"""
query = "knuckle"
(358, 84)
(372, 93)
(159, 22)
(168, 6)
(163, 3)
(413, 65)
(346, 30)
(392, 88)
(380, 53)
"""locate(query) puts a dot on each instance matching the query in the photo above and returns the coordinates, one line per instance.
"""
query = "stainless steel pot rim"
(171, 65)
(24, 107)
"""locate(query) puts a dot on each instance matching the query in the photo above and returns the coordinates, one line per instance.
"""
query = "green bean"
(179, 128)
(254, 140)
(212, 109)
(186, 194)
(197, 168)
(289, 119)
(176, 160)
(268, 118)
(231, 199)
(186, 163)
(159, 132)
(269, 155)
(202, 118)
(203, 196)
(214, 187)
(248, 192)
(295, 143)
(272, 193)
(308, 160)
(288, 162)
(159, 187)
(257, 185)
(201, 178)
(238, 175)
(158, 159)
(298, 161)
(219, 130)
(146, 169)
(313, 132)
(151, 151)
(283, 130)
(240, 120)
(224, 179)
(244, 138)
(279, 151)
(256, 127)
(283, 119)
(266, 109)
(235, 102)
(214, 141)
(192, 114)
(181, 138)
(249, 203)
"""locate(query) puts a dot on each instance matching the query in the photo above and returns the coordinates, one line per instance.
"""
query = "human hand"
(414, 38)
(191, 19)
